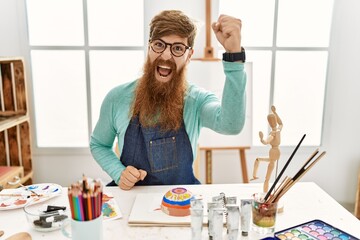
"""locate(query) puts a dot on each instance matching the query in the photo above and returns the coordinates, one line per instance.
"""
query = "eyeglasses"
(177, 49)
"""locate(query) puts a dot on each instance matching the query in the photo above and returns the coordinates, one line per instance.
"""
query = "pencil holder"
(80, 230)
(85, 200)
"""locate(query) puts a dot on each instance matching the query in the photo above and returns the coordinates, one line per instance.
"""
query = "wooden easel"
(208, 50)
(208, 161)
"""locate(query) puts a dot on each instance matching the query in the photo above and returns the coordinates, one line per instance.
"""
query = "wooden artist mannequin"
(274, 153)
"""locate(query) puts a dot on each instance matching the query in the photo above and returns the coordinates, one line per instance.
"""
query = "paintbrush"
(303, 168)
(28, 189)
(283, 170)
(17, 181)
(306, 167)
(289, 181)
(279, 189)
(19, 195)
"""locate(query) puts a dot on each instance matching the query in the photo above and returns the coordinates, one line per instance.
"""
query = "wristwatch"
(233, 57)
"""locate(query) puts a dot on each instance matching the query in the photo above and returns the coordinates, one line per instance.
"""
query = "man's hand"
(130, 176)
(228, 32)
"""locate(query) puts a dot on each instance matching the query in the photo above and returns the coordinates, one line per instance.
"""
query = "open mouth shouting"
(163, 72)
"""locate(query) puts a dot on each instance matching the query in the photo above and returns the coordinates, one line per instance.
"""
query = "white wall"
(336, 173)
(342, 113)
(9, 32)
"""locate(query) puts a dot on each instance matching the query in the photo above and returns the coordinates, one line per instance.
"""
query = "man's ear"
(191, 52)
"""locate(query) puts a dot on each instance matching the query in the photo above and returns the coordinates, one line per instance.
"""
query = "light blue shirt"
(201, 109)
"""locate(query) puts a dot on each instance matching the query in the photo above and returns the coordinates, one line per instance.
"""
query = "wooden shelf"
(6, 123)
(15, 146)
(8, 174)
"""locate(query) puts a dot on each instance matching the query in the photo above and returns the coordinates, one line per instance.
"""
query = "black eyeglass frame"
(169, 44)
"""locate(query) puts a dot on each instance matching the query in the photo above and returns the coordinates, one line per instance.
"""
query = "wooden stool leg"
(243, 166)
(208, 169)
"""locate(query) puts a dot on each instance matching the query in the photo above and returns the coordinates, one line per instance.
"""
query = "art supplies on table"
(288, 182)
(88, 201)
(110, 208)
(85, 200)
(197, 216)
(284, 168)
(276, 192)
(36, 193)
(245, 214)
(314, 230)
(146, 210)
(46, 218)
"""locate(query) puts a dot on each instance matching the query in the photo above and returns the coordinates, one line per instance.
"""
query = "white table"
(304, 202)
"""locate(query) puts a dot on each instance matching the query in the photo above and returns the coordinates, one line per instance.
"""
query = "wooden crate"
(13, 89)
(15, 141)
(8, 174)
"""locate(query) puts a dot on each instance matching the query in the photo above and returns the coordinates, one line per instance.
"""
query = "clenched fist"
(130, 176)
(227, 30)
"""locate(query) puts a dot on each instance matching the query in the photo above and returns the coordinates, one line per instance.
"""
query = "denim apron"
(166, 156)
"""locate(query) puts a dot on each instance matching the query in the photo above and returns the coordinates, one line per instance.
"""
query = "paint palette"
(19, 197)
(313, 230)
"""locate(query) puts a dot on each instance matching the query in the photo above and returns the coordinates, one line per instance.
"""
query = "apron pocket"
(162, 154)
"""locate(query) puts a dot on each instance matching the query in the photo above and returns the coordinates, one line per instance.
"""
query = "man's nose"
(167, 53)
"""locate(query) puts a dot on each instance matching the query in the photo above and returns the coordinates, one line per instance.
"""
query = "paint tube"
(218, 198)
(217, 223)
(231, 200)
(197, 215)
(245, 216)
(224, 200)
(233, 221)
(210, 207)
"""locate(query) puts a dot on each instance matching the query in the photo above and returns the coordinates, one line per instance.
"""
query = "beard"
(160, 103)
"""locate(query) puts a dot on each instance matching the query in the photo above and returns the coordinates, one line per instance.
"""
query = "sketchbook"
(146, 211)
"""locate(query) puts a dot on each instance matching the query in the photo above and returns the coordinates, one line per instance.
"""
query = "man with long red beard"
(157, 119)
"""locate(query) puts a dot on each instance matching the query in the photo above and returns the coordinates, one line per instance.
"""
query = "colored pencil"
(71, 203)
(76, 208)
(85, 200)
(89, 206)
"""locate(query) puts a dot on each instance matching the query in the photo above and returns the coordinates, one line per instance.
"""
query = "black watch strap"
(234, 57)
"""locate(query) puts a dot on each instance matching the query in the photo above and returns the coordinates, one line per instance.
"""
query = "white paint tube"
(197, 216)
(231, 200)
(217, 225)
(233, 221)
(245, 214)
(210, 207)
